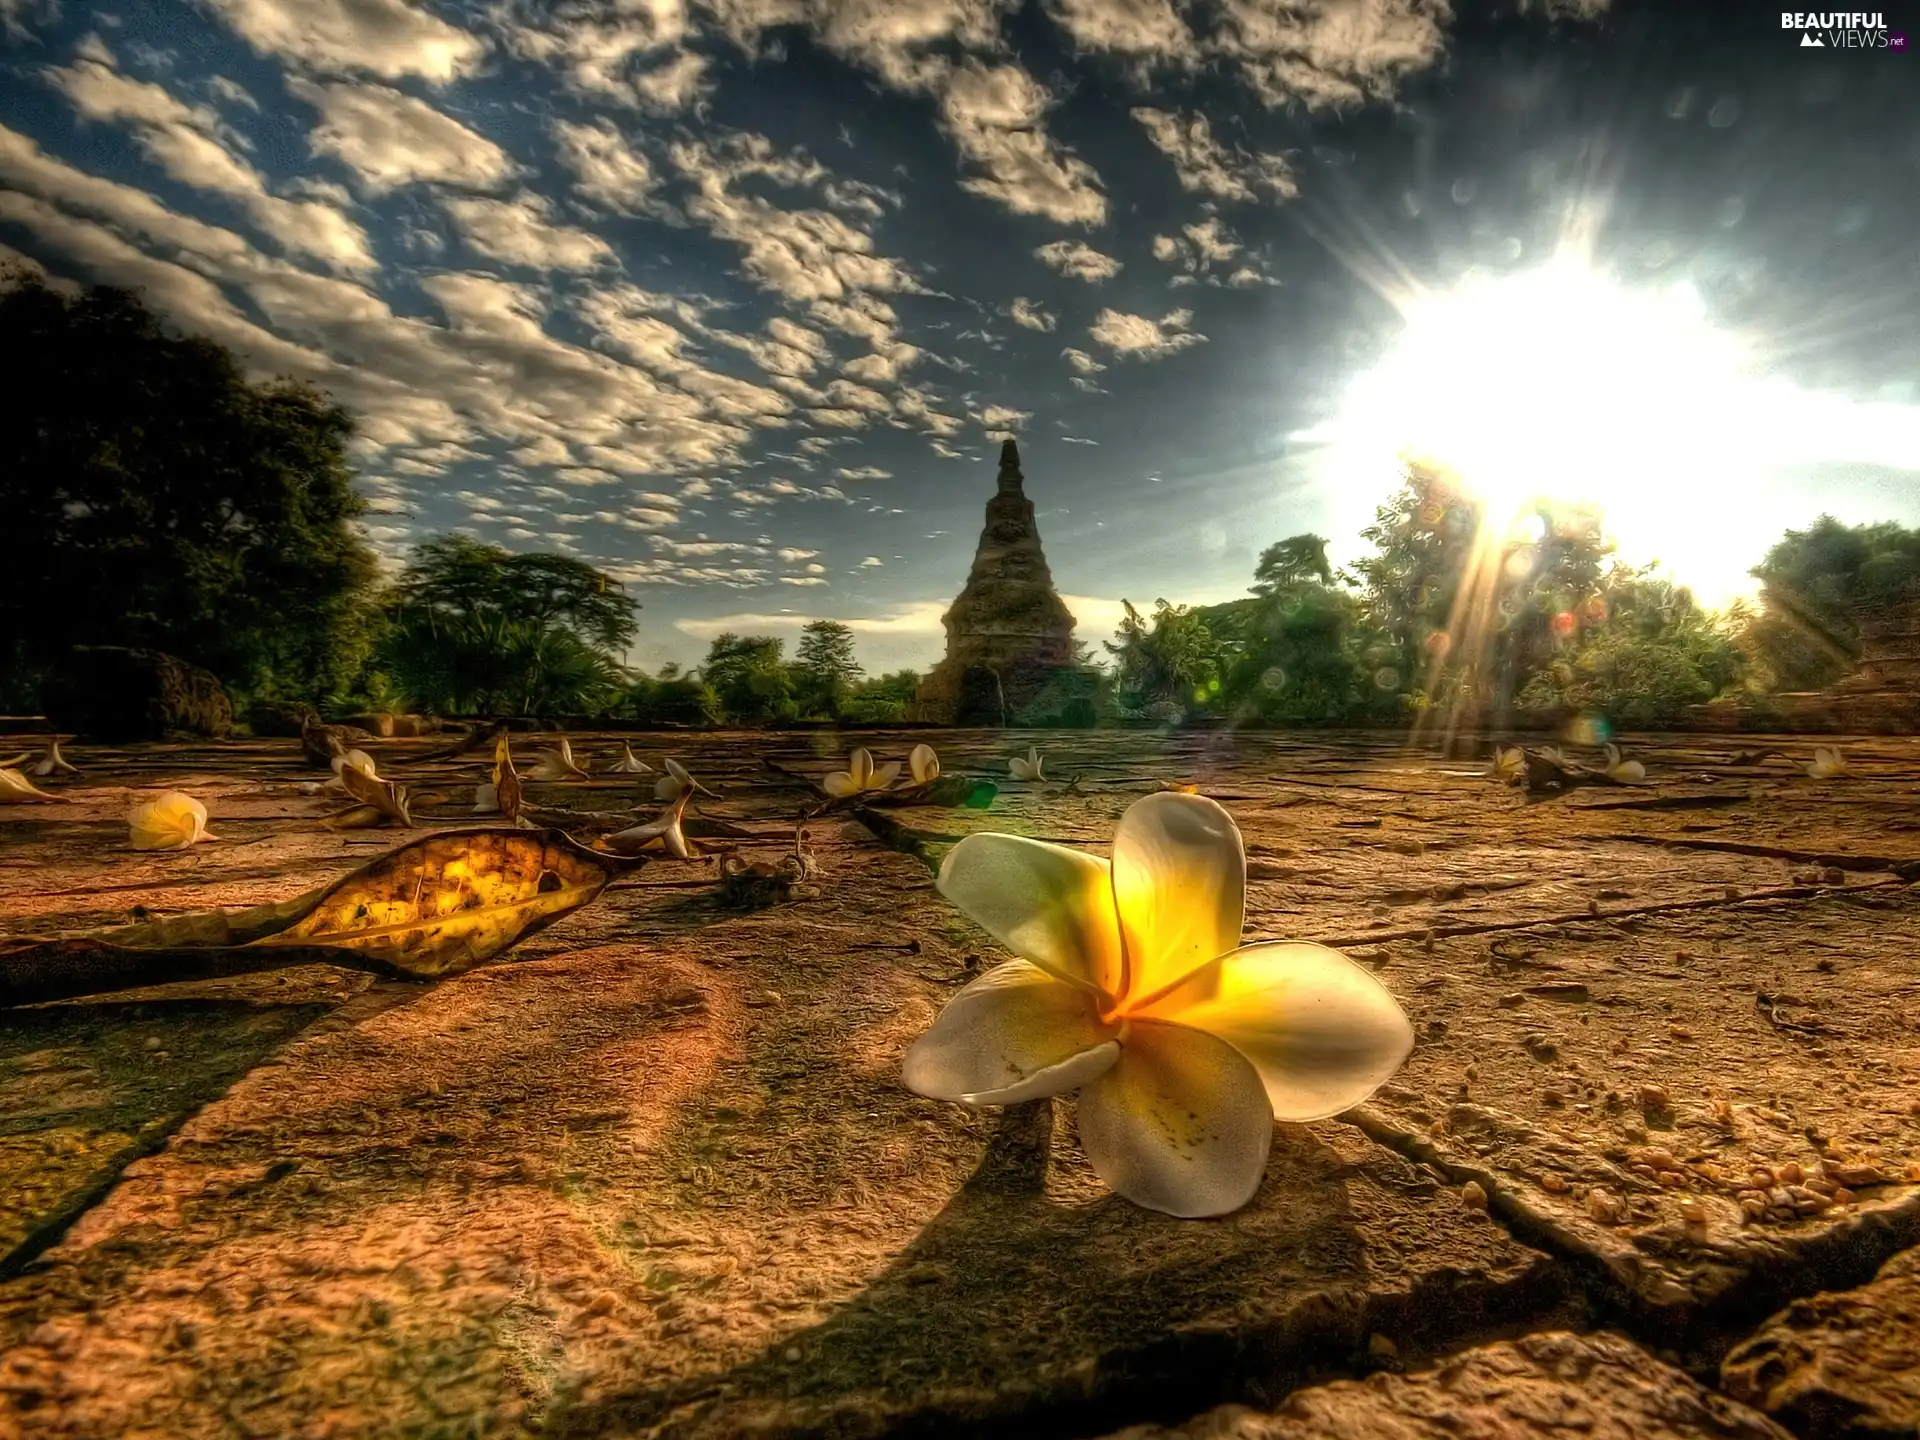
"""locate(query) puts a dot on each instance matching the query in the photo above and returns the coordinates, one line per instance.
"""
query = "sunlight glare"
(1560, 382)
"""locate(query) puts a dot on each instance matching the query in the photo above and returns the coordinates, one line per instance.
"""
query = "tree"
(1289, 562)
(1175, 660)
(475, 629)
(825, 670)
(458, 578)
(886, 699)
(749, 675)
(1813, 583)
(154, 496)
(1463, 613)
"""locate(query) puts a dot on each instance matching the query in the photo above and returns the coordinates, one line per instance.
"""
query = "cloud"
(191, 144)
(1030, 314)
(518, 232)
(1082, 362)
(1003, 421)
(1327, 53)
(607, 170)
(995, 115)
(871, 562)
(1080, 261)
(1144, 30)
(1205, 165)
(389, 139)
(630, 54)
(388, 38)
(865, 472)
(1137, 337)
(801, 255)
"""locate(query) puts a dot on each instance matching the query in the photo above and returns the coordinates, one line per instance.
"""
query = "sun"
(1562, 383)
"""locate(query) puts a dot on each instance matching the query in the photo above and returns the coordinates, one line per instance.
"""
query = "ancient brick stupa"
(1008, 633)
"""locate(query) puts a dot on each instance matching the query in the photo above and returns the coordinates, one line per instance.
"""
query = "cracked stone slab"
(670, 1183)
(1542, 1387)
(1712, 1108)
(1842, 1365)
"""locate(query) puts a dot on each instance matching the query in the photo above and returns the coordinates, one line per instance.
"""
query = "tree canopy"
(154, 496)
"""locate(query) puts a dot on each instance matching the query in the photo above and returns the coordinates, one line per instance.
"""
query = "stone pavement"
(656, 1173)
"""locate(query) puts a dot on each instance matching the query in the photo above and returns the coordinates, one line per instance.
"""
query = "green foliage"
(825, 670)
(671, 698)
(463, 664)
(1290, 562)
(1806, 635)
(457, 578)
(474, 629)
(1646, 654)
(1463, 617)
(153, 496)
(883, 700)
(1175, 660)
(751, 678)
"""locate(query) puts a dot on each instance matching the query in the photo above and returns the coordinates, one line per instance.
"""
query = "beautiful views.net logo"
(1842, 30)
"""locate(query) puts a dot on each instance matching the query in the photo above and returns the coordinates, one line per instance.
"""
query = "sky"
(736, 298)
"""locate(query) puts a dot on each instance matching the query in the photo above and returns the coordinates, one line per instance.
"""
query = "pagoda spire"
(1010, 476)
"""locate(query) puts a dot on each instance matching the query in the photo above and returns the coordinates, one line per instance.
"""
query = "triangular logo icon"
(1811, 42)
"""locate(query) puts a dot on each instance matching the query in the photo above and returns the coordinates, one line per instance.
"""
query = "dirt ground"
(1653, 1168)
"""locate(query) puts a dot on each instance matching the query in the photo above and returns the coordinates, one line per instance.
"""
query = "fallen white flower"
(1029, 768)
(486, 798)
(1509, 764)
(677, 781)
(1627, 772)
(665, 828)
(359, 760)
(53, 762)
(16, 789)
(555, 764)
(1828, 762)
(860, 774)
(923, 765)
(172, 821)
(1132, 987)
(629, 763)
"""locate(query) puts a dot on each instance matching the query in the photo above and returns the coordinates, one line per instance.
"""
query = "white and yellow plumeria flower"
(16, 789)
(1509, 764)
(359, 760)
(1028, 768)
(665, 827)
(555, 764)
(1627, 772)
(923, 765)
(861, 774)
(1132, 987)
(676, 782)
(53, 762)
(1827, 762)
(171, 821)
(629, 763)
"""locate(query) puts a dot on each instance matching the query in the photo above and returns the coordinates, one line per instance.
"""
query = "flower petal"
(840, 784)
(924, 764)
(1179, 882)
(860, 766)
(885, 775)
(1180, 1125)
(1045, 903)
(171, 821)
(1014, 1034)
(1321, 1031)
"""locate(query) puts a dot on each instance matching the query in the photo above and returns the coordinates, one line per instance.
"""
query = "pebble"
(1604, 1206)
(1473, 1195)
